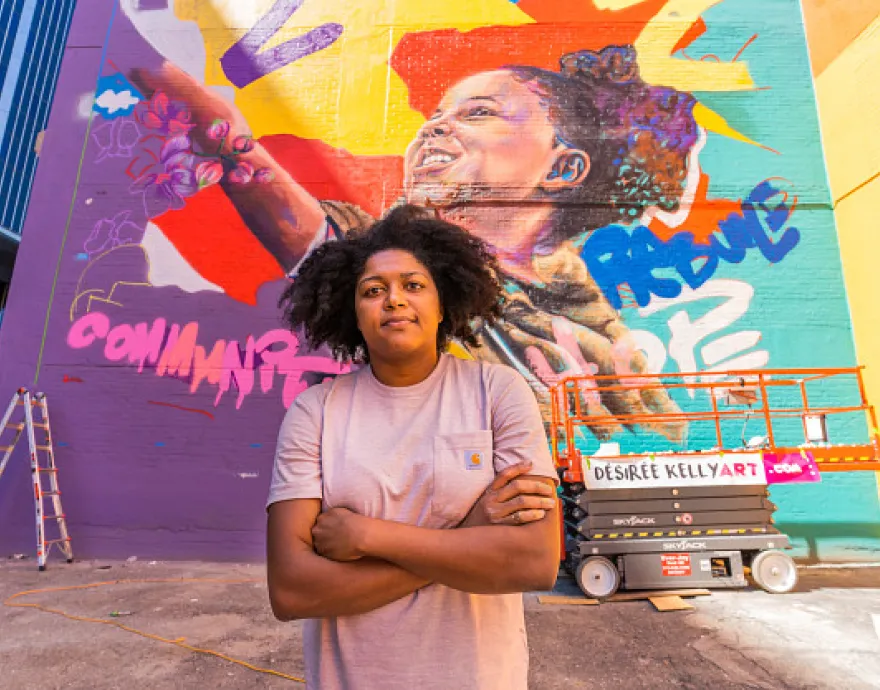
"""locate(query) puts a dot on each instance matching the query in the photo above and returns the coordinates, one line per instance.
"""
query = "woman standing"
(388, 480)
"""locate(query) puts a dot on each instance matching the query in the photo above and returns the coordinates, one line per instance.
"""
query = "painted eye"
(480, 111)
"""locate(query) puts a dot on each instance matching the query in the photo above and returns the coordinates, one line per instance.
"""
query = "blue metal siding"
(34, 87)
(10, 16)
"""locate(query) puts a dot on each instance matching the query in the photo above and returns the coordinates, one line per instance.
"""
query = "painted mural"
(581, 162)
(648, 172)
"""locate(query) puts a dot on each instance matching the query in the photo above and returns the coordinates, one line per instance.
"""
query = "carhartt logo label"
(473, 459)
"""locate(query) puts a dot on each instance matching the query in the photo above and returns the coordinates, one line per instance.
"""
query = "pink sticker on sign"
(791, 468)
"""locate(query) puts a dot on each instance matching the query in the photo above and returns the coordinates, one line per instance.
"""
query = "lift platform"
(687, 504)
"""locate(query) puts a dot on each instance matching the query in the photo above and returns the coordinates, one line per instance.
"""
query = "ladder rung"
(6, 449)
(49, 448)
(51, 493)
(56, 541)
(41, 426)
(46, 469)
(18, 427)
(54, 517)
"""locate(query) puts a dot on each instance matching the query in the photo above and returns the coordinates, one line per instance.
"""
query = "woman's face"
(397, 306)
(490, 138)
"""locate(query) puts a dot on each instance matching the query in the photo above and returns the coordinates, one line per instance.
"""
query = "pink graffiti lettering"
(175, 352)
(87, 330)
(234, 369)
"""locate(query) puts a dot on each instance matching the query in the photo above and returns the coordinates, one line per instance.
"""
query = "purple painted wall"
(138, 477)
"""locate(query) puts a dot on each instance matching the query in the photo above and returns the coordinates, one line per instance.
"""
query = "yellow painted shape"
(346, 95)
(654, 46)
(458, 350)
(860, 253)
(712, 121)
(849, 103)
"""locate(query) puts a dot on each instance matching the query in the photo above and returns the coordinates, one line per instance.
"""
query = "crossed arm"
(339, 563)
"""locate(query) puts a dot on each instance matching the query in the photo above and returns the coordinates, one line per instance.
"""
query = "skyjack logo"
(634, 521)
(683, 545)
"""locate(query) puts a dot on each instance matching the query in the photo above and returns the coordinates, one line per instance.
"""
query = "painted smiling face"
(490, 138)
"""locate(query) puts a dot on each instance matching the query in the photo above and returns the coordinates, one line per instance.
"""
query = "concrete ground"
(824, 635)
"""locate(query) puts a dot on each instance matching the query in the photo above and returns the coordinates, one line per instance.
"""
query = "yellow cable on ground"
(179, 642)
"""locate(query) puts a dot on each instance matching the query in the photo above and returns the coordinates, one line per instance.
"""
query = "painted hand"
(586, 341)
(283, 216)
(204, 107)
(338, 534)
(512, 499)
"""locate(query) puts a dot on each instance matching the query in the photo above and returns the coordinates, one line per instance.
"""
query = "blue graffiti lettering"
(651, 266)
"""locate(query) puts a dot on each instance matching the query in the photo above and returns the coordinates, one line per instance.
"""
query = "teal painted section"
(798, 305)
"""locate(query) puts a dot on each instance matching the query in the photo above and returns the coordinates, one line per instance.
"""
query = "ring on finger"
(517, 517)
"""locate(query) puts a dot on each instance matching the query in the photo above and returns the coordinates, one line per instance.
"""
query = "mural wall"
(649, 173)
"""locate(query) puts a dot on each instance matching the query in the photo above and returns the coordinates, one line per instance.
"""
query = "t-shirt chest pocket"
(463, 469)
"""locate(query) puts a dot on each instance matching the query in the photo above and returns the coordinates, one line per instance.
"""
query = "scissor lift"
(668, 517)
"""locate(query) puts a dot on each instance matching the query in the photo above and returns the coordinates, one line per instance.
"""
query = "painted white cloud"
(112, 101)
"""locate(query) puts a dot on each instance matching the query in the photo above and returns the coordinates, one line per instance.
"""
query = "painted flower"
(242, 144)
(167, 117)
(177, 152)
(209, 172)
(242, 173)
(112, 232)
(218, 130)
(166, 184)
(264, 176)
(116, 138)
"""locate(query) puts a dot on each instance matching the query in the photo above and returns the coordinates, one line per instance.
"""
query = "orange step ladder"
(44, 473)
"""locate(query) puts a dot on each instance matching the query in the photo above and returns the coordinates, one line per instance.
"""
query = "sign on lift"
(647, 471)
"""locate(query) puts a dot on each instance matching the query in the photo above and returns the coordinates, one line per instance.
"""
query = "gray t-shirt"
(419, 455)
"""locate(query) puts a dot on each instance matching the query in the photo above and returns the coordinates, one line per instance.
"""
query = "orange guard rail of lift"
(747, 395)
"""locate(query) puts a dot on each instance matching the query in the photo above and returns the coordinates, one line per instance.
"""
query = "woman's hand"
(338, 534)
(512, 499)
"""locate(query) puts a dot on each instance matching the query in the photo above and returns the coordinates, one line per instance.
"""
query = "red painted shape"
(71, 379)
(703, 218)
(371, 182)
(432, 61)
(213, 239)
(586, 11)
(181, 407)
(697, 29)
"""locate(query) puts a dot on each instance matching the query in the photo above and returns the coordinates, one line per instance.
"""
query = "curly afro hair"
(321, 299)
(638, 137)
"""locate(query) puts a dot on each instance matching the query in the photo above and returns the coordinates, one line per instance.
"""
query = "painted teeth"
(433, 158)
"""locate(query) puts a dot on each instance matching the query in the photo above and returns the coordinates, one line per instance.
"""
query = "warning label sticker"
(675, 564)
